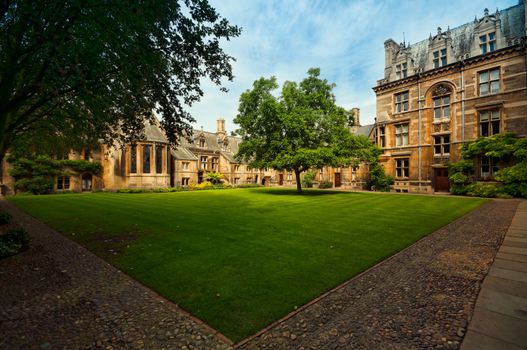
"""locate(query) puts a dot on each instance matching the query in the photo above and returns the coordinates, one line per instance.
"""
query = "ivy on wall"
(37, 174)
(508, 151)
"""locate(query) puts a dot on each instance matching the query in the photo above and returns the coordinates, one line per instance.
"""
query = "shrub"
(308, 179)
(477, 189)
(5, 218)
(132, 190)
(214, 177)
(13, 242)
(248, 185)
(325, 184)
(379, 181)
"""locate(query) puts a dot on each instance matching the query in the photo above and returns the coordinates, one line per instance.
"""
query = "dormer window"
(440, 58)
(202, 143)
(487, 43)
(401, 70)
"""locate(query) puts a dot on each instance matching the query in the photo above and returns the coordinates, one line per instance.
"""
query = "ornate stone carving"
(441, 90)
(437, 128)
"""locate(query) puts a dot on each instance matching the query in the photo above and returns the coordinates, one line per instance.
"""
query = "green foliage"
(308, 179)
(13, 242)
(214, 177)
(5, 218)
(37, 174)
(510, 151)
(478, 189)
(379, 181)
(248, 185)
(325, 184)
(301, 129)
(73, 72)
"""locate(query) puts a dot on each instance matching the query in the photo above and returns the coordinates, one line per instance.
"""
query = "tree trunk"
(298, 181)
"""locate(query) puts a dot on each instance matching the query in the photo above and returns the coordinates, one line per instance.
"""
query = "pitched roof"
(365, 130)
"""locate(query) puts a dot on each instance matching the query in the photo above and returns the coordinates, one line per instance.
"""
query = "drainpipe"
(419, 128)
(462, 63)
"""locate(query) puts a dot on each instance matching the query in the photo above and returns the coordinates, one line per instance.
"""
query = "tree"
(301, 129)
(214, 177)
(84, 71)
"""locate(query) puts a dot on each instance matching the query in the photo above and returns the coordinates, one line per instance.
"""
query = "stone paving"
(500, 316)
(60, 295)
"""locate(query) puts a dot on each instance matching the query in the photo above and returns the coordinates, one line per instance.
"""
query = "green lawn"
(240, 259)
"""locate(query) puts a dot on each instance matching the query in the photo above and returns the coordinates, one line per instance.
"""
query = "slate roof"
(365, 130)
(212, 144)
(512, 23)
(154, 133)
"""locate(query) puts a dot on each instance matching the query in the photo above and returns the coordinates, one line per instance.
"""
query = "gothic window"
(401, 70)
(401, 135)
(159, 159)
(440, 58)
(133, 159)
(146, 159)
(63, 183)
(487, 43)
(489, 82)
(402, 168)
(441, 102)
(442, 145)
(401, 102)
(489, 122)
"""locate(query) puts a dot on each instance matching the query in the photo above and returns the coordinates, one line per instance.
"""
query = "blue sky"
(345, 39)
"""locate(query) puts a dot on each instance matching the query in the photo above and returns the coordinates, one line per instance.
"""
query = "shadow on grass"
(292, 192)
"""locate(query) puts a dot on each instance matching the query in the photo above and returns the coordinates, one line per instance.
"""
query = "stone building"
(447, 90)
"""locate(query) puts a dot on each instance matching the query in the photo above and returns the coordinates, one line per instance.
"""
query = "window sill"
(441, 120)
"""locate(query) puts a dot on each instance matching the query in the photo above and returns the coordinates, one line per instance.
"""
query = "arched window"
(441, 102)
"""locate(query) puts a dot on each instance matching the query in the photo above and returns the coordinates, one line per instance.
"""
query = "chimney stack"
(220, 127)
(356, 115)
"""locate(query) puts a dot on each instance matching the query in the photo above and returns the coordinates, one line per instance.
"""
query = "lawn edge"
(345, 283)
(207, 328)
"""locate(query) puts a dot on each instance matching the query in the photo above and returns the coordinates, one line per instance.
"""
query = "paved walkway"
(500, 317)
(58, 295)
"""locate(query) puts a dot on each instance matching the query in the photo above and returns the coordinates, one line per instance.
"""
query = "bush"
(248, 185)
(214, 177)
(325, 184)
(13, 242)
(5, 218)
(482, 190)
(132, 190)
(308, 179)
(379, 181)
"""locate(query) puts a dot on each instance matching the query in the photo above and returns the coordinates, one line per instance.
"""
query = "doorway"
(337, 180)
(281, 179)
(86, 182)
(441, 181)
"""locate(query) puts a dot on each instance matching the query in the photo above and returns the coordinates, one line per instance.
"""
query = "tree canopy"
(302, 128)
(76, 71)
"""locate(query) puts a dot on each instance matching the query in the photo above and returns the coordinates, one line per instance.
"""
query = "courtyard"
(242, 259)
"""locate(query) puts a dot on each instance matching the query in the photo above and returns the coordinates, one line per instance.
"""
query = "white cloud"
(344, 38)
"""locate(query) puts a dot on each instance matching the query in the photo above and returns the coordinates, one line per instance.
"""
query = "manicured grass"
(240, 259)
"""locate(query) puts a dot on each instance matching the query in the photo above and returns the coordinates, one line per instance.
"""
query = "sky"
(345, 39)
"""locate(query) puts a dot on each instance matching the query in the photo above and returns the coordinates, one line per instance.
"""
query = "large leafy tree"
(79, 71)
(300, 129)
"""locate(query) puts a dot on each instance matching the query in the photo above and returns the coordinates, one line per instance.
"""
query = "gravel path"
(58, 295)
(422, 298)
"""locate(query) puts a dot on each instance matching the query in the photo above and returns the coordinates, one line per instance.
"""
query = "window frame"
(203, 162)
(440, 58)
(441, 106)
(400, 103)
(159, 159)
(487, 43)
(488, 82)
(444, 146)
(147, 159)
(63, 183)
(402, 168)
(490, 123)
(491, 163)
(400, 134)
(133, 159)
(401, 70)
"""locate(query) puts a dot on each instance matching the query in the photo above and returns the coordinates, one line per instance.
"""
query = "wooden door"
(337, 180)
(441, 180)
(281, 179)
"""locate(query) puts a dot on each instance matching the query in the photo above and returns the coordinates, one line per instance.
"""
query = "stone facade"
(447, 90)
